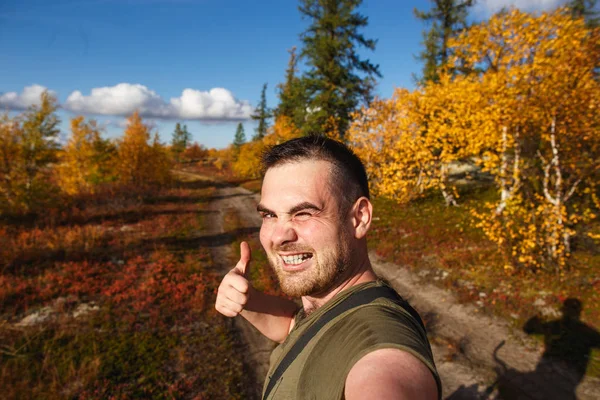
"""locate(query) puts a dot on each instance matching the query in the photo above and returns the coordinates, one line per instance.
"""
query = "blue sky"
(202, 62)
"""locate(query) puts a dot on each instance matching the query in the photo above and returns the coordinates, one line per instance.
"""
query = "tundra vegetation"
(485, 176)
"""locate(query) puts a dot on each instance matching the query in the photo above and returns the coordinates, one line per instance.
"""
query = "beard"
(326, 271)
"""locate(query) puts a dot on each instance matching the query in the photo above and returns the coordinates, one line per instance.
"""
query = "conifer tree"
(240, 136)
(447, 18)
(180, 141)
(28, 144)
(262, 114)
(292, 99)
(337, 80)
(585, 9)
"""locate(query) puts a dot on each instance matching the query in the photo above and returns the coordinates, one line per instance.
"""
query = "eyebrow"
(299, 207)
(261, 208)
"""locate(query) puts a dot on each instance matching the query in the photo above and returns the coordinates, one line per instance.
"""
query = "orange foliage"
(140, 162)
(86, 159)
(194, 152)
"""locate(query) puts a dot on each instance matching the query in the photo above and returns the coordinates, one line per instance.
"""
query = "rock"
(424, 273)
(84, 309)
(550, 312)
(36, 317)
(539, 303)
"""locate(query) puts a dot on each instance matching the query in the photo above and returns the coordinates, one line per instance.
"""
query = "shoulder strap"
(359, 298)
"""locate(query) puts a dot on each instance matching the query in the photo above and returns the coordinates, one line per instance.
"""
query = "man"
(316, 213)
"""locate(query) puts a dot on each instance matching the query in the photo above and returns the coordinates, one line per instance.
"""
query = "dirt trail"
(467, 365)
(243, 202)
(463, 340)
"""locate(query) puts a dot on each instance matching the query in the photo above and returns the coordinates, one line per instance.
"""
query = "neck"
(361, 274)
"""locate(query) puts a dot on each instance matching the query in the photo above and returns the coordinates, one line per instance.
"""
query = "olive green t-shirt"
(320, 370)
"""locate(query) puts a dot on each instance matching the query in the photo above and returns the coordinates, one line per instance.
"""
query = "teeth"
(296, 259)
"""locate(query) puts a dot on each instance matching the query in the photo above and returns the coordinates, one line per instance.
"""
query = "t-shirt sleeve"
(366, 329)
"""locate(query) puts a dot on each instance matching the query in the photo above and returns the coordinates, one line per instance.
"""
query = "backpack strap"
(356, 299)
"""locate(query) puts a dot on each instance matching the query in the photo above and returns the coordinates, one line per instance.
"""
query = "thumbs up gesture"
(234, 290)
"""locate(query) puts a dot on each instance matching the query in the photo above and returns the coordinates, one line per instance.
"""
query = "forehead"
(290, 183)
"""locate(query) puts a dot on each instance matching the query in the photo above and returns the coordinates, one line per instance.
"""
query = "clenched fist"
(234, 290)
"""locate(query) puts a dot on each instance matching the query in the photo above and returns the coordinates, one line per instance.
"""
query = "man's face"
(305, 237)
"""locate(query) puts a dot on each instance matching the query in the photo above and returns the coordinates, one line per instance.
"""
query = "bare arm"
(271, 315)
(390, 374)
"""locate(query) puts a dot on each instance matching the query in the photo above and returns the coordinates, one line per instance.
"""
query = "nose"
(283, 232)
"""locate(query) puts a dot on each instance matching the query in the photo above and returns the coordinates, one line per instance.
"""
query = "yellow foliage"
(542, 101)
(282, 130)
(527, 115)
(140, 162)
(86, 159)
(247, 164)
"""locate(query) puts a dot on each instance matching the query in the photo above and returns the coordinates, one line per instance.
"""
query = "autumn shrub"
(247, 164)
(194, 152)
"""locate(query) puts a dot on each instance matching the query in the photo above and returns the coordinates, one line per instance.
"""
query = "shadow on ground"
(568, 346)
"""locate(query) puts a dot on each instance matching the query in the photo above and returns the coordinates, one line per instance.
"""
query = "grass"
(124, 305)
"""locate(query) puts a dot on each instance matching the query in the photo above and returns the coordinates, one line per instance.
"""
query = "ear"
(362, 213)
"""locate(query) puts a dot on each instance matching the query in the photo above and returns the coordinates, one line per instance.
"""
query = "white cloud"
(218, 104)
(30, 96)
(488, 7)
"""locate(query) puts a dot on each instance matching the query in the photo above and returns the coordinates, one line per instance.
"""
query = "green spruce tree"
(262, 115)
(40, 134)
(447, 19)
(585, 9)
(240, 136)
(292, 99)
(28, 146)
(338, 80)
(180, 141)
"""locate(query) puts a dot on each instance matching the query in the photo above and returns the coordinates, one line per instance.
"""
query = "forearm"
(271, 315)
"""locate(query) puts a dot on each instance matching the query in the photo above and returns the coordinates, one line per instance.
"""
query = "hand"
(234, 290)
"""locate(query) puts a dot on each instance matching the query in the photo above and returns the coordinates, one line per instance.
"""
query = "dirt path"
(235, 199)
(463, 340)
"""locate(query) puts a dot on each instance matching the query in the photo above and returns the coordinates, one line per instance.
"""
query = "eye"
(267, 215)
(302, 216)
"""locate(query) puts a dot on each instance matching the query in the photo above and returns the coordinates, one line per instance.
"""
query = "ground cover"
(114, 298)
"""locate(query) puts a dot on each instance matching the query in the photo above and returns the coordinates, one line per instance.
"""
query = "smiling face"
(307, 240)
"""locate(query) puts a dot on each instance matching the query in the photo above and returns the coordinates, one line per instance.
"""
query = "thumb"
(245, 255)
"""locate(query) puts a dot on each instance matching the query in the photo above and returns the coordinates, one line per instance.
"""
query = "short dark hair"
(348, 170)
